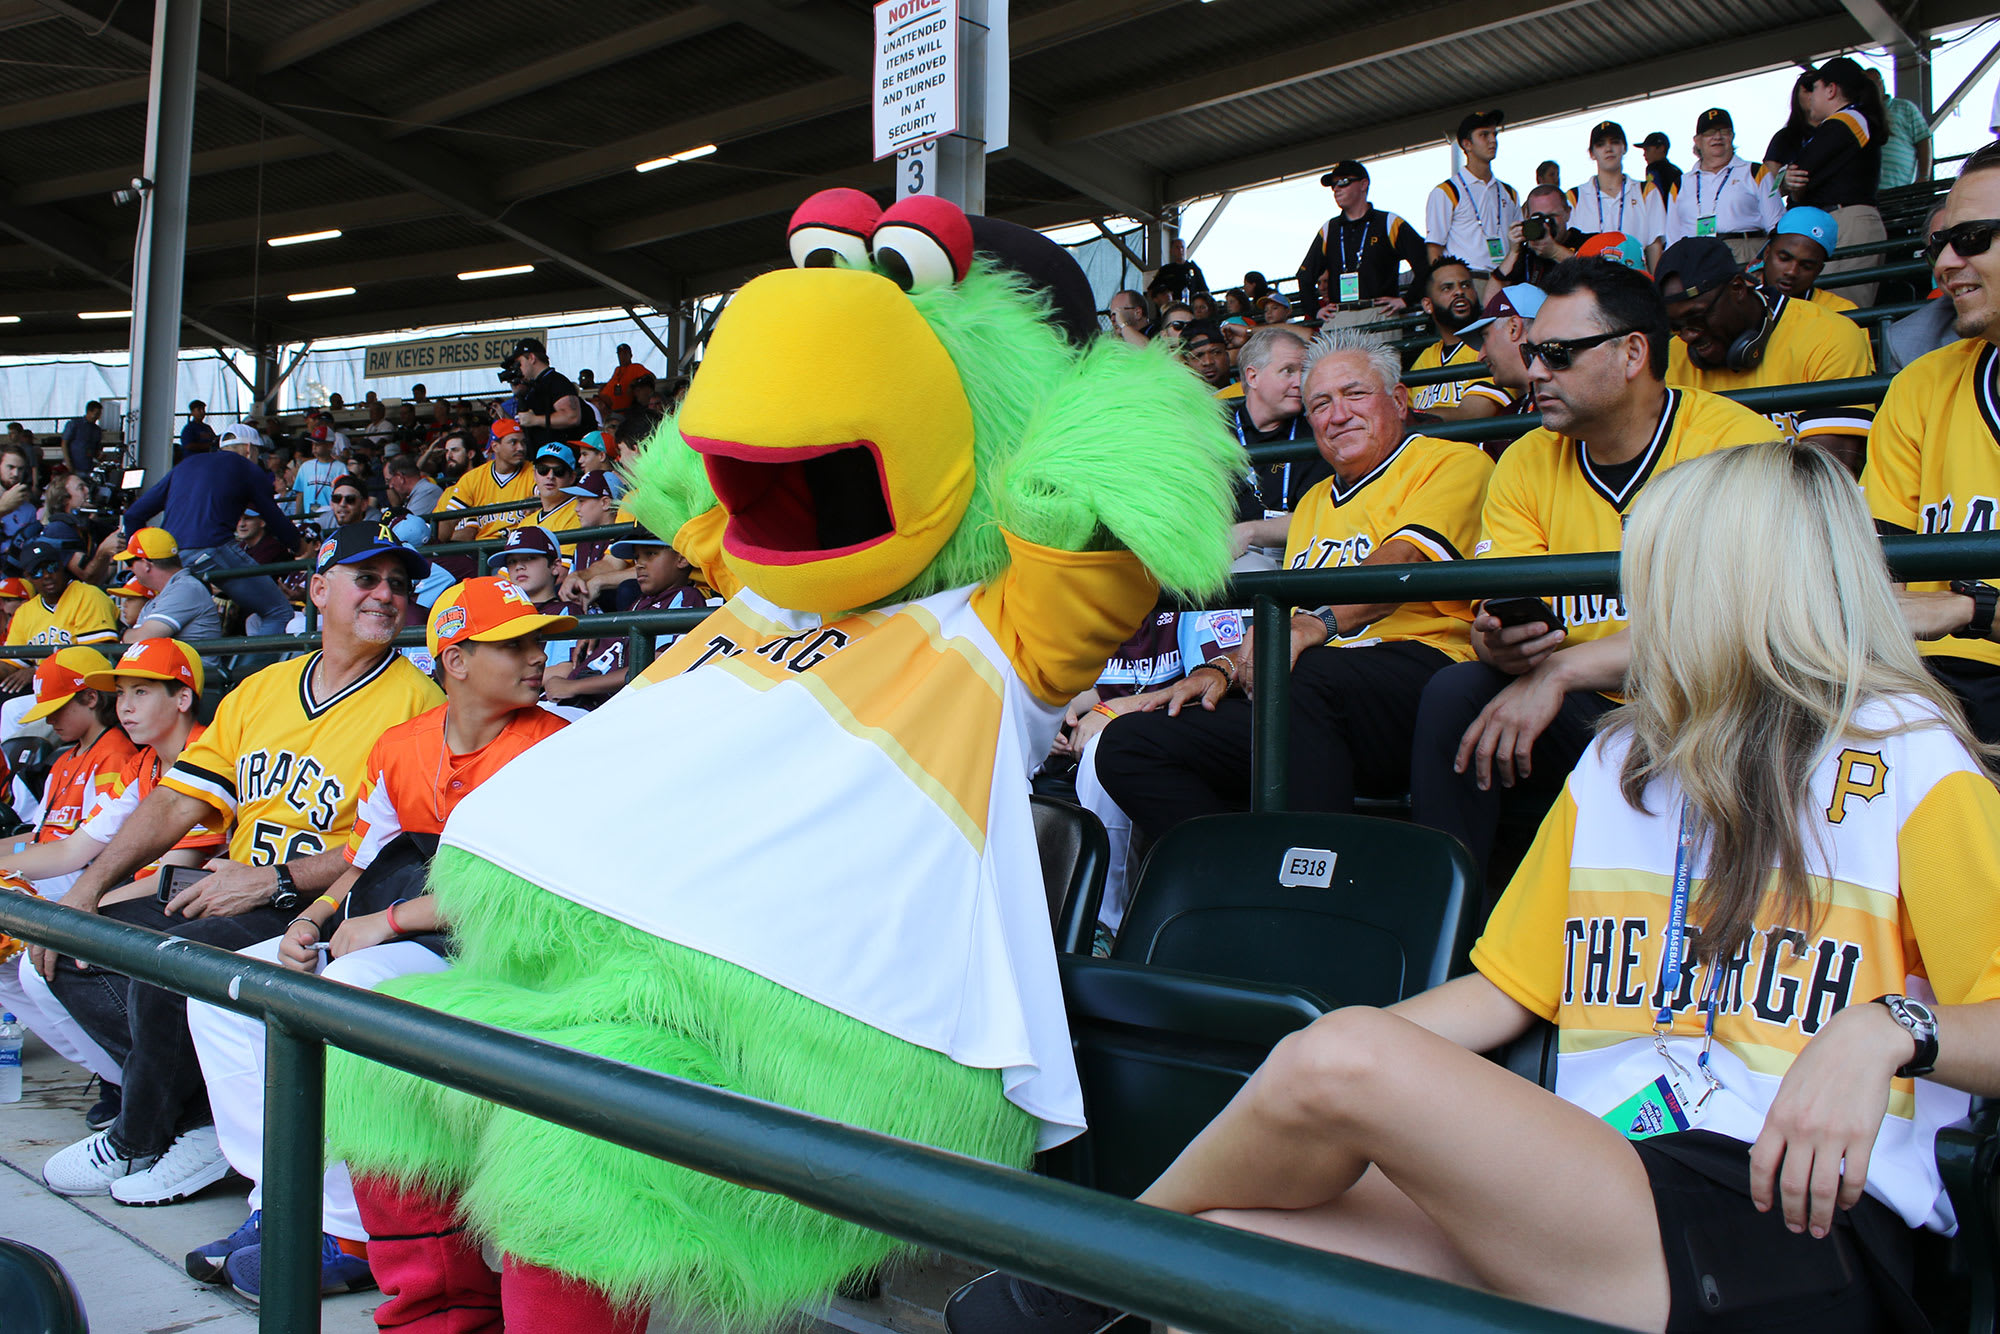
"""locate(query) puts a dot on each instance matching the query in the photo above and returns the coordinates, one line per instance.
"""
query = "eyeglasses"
(1965, 238)
(1558, 353)
(551, 470)
(1341, 183)
(1175, 326)
(368, 581)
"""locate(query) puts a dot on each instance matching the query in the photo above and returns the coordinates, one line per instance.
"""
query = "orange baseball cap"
(153, 660)
(60, 675)
(505, 427)
(485, 610)
(131, 588)
(152, 543)
(17, 589)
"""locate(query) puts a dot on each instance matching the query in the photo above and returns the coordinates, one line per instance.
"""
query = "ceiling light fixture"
(104, 314)
(671, 158)
(10, 319)
(472, 274)
(331, 233)
(320, 295)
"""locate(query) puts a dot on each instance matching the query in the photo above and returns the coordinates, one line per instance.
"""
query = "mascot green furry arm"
(943, 434)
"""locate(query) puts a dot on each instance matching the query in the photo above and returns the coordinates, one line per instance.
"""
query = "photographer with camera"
(547, 404)
(1541, 240)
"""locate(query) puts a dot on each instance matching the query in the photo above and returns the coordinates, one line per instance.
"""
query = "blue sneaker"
(207, 1262)
(338, 1271)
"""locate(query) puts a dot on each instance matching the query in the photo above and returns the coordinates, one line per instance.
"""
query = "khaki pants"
(1746, 249)
(1858, 223)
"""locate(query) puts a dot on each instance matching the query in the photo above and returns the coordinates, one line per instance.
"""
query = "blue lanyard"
(1676, 952)
(1473, 204)
(1621, 202)
(1340, 232)
(1719, 187)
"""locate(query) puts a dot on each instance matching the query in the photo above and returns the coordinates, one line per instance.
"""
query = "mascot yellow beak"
(837, 436)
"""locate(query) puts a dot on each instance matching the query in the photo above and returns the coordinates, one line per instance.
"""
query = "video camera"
(510, 365)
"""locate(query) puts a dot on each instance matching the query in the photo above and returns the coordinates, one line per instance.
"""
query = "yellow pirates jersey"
(1548, 499)
(1934, 458)
(1830, 301)
(1428, 492)
(81, 615)
(1807, 343)
(483, 486)
(288, 767)
(1899, 827)
(1424, 397)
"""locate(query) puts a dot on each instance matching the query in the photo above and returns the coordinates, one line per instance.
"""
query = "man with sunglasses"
(282, 763)
(1452, 300)
(1732, 334)
(1497, 337)
(1934, 454)
(556, 512)
(1522, 714)
(1359, 253)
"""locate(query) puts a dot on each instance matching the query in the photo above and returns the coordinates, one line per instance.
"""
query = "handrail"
(1164, 1266)
(567, 537)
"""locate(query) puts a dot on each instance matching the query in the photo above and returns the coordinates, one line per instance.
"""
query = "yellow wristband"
(1104, 709)
(329, 900)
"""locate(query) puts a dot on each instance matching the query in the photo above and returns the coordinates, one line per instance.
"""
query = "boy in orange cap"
(487, 639)
(86, 720)
(131, 597)
(13, 592)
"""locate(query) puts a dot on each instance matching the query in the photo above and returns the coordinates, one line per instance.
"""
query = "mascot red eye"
(833, 226)
(923, 242)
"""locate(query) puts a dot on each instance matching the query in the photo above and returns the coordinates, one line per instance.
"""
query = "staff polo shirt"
(1740, 195)
(1372, 247)
(1807, 344)
(1635, 208)
(1844, 160)
(1467, 216)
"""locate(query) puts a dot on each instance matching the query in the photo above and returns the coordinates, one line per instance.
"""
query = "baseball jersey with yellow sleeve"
(288, 766)
(1903, 835)
(1424, 397)
(1548, 499)
(1807, 344)
(1428, 492)
(482, 486)
(82, 614)
(1934, 459)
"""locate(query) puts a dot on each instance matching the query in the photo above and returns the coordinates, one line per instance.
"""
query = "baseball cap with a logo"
(505, 427)
(1343, 171)
(1522, 299)
(1616, 247)
(533, 540)
(1715, 118)
(1698, 264)
(131, 588)
(59, 676)
(160, 659)
(597, 484)
(485, 610)
(152, 544)
(359, 541)
(1480, 120)
(1605, 131)
(1815, 224)
(20, 590)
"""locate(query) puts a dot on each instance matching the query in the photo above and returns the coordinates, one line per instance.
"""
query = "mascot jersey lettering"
(288, 767)
(1896, 828)
(902, 739)
(1934, 459)
(1448, 393)
(1428, 493)
(1547, 498)
(484, 486)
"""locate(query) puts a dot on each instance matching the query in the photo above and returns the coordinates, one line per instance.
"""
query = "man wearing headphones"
(1732, 334)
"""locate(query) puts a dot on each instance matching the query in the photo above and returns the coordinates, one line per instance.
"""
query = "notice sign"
(460, 352)
(916, 72)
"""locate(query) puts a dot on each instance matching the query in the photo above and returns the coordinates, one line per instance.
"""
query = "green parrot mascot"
(935, 504)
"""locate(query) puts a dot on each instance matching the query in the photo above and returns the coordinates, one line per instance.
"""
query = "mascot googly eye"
(923, 242)
(832, 228)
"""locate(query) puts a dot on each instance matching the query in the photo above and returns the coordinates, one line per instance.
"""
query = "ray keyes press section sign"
(916, 72)
(460, 352)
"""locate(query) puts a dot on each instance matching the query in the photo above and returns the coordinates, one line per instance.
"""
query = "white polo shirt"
(1636, 209)
(1739, 195)
(1470, 217)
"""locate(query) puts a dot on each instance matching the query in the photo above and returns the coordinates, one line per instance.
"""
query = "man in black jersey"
(1353, 259)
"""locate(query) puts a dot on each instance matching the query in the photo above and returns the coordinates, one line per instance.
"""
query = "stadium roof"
(443, 136)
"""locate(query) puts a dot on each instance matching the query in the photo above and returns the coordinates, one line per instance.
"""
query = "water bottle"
(12, 1035)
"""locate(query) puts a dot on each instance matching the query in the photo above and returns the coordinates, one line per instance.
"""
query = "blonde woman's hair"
(1762, 619)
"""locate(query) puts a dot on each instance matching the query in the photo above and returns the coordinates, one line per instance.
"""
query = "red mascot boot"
(427, 1267)
(542, 1301)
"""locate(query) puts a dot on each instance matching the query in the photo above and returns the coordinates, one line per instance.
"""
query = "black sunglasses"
(1558, 353)
(1966, 238)
(549, 469)
(1341, 183)
(1175, 326)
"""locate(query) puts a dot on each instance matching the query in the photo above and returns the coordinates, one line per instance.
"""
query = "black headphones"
(1746, 350)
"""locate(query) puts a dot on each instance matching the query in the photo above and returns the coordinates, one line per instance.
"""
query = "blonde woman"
(1837, 832)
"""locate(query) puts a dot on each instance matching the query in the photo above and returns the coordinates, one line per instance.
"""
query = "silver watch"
(1918, 1021)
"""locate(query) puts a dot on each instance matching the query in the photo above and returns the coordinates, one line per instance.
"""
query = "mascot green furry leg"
(540, 965)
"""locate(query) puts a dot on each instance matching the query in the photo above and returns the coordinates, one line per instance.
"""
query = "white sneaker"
(89, 1166)
(194, 1162)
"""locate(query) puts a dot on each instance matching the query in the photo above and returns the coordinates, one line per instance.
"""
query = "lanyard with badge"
(1704, 223)
(1350, 279)
(1600, 204)
(1494, 249)
(1285, 468)
(1670, 1102)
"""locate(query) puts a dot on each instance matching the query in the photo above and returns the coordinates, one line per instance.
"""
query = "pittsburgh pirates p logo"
(1857, 773)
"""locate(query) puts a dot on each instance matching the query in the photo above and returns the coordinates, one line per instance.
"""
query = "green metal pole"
(638, 653)
(1271, 672)
(294, 1136)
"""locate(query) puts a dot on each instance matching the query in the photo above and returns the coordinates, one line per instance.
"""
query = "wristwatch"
(286, 897)
(1917, 1020)
(1985, 598)
(1330, 621)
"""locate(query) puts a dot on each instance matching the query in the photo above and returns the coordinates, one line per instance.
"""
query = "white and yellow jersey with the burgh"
(1903, 842)
(903, 887)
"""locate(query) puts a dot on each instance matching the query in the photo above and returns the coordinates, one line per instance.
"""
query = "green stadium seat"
(37, 1294)
(1394, 919)
(1076, 854)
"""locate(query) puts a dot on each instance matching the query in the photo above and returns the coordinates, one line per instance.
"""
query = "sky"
(1269, 227)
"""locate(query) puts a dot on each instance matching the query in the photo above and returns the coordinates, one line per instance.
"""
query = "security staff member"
(1469, 214)
(1611, 201)
(1358, 252)
(1726, 196)
(1732, 334)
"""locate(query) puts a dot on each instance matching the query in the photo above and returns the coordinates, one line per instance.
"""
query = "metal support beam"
(961, 156)
(1950, 104)
(779, 197)
(236, 156)
(270, 281)
(349, 23)
(1117, 181)
(1119, 242)
(651, 337)
(161, 257)
(1214, 215)
(83, 102)
(1882, 27)
(348, 214)
(294, 1146)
